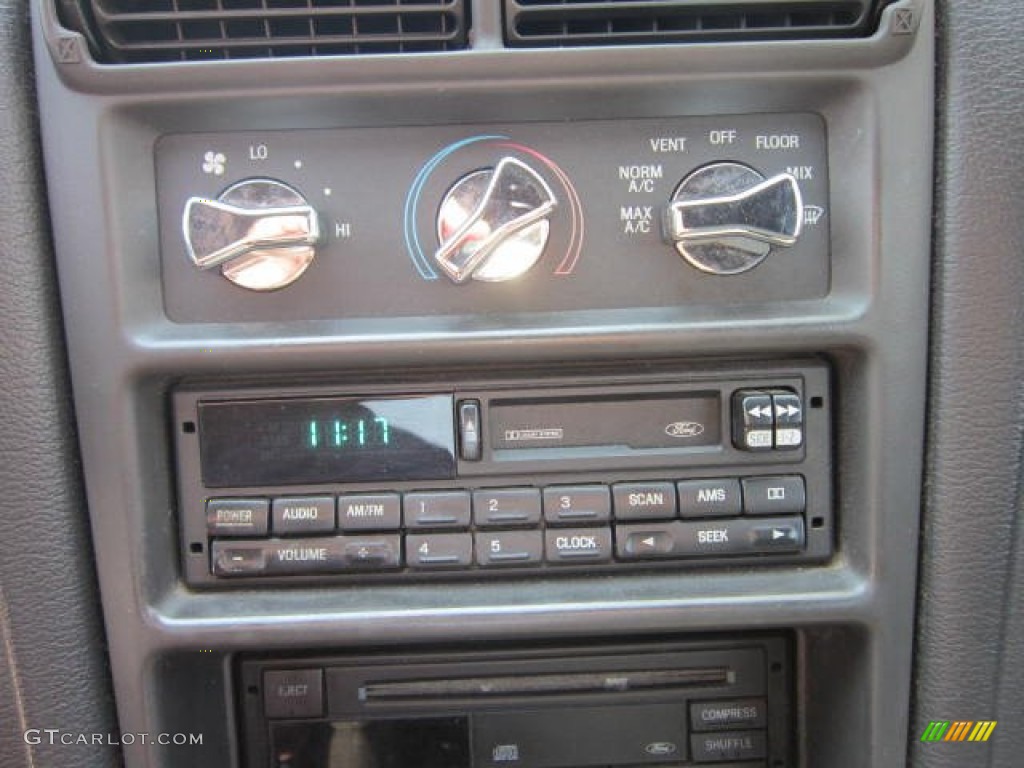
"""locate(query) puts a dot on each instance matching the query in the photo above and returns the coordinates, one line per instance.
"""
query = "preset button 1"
(436, 509)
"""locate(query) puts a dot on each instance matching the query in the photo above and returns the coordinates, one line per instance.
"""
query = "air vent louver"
(566, 23)
(181, 30)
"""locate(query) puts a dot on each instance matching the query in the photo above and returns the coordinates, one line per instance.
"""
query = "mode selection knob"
(494, 223)
(725, 218)
(261, 233)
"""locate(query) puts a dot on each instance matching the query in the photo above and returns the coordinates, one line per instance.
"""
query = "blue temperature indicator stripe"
(412, 201)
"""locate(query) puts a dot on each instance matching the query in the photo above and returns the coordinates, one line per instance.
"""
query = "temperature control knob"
(260, 232)
(725, 218)
(494, 223)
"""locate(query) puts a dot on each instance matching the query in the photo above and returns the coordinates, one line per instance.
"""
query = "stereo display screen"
(326, 440)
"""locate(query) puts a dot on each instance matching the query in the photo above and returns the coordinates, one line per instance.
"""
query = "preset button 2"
(506, 507)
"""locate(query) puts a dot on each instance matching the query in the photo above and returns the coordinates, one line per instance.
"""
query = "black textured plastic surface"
(534, 23)
(969, 661)
(166, 30)
(53, 665)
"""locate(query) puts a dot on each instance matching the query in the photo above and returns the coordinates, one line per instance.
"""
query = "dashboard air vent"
(566, 23)
(180, 30)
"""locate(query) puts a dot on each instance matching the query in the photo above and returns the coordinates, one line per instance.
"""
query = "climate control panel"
(466, 220)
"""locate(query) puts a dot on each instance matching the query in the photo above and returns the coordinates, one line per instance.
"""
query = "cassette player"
(599, 706)
(666, 470)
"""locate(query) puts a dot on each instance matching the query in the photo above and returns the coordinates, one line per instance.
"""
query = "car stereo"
(451, 479)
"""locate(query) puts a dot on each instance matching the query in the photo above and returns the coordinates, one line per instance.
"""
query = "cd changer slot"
(548, 685)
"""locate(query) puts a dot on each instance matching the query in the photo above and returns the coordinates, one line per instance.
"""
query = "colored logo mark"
(959, 730)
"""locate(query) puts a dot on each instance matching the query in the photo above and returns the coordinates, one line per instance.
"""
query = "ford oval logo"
(684, 429)
(660, 748)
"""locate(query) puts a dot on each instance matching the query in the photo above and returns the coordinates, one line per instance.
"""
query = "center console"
(498, 384)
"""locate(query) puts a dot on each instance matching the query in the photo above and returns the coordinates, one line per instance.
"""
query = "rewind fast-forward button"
(789, 420)
(754, 421)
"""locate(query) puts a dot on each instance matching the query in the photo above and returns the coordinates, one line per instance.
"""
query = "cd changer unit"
(683, 702)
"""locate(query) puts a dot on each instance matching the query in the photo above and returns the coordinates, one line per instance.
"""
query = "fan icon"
(214, 162)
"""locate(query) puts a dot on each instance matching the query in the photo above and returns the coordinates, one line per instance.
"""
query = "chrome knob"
(725, 218)
(493, 224)
(260, 232)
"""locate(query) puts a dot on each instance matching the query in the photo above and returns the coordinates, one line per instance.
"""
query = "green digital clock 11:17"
(327, 434)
